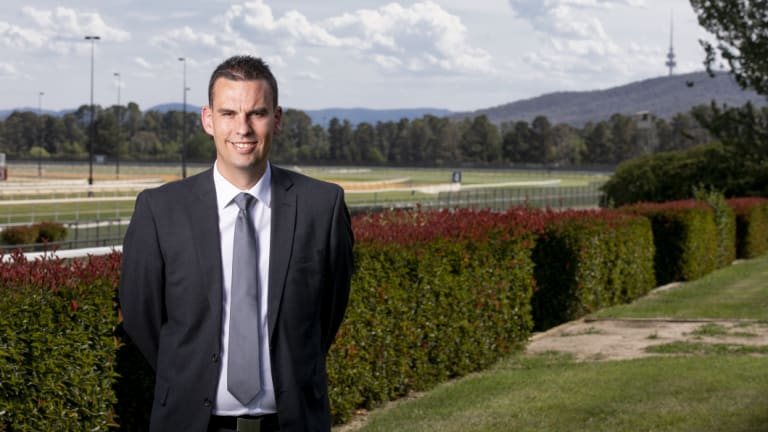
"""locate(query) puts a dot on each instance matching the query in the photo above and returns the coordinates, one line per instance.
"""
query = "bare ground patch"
(621, 339)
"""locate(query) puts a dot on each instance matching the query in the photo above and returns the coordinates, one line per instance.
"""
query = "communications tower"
(671, 63)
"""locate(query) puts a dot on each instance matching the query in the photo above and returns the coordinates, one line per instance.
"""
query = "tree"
(741, 29)
(481, 141)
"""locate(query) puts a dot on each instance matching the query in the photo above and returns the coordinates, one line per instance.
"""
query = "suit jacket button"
(207, 402)
(215, 357)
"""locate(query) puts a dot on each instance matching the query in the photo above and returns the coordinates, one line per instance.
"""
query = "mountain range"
(662, 97)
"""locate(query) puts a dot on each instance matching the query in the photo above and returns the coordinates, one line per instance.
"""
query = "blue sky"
(453, 54)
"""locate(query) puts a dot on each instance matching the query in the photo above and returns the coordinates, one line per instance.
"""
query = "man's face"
(242, 121)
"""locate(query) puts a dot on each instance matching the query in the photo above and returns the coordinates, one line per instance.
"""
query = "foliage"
(671, 176)
(725, 222)
(18, 235)
(587, 260)
(751, 226)
(127, 134)
(685, 237)
(741, 30)
(436, 295)
(57, 356)
(41, 232)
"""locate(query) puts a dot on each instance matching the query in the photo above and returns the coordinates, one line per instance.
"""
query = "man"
(186, 283)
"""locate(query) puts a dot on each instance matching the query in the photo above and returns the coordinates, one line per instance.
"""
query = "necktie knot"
(244, 201)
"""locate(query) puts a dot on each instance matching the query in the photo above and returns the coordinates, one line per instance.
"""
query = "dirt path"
(620, 339)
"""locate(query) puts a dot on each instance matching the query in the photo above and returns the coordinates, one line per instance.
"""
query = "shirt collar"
(226, 191)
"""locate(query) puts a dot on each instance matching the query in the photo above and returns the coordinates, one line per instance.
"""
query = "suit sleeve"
(142, 281)
(340, 272)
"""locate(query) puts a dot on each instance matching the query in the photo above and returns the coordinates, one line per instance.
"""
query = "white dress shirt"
(264, 402)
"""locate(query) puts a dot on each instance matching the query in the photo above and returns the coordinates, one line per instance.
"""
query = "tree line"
(126, 133)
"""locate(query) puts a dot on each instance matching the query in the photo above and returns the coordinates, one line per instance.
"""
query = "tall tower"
(671, 63)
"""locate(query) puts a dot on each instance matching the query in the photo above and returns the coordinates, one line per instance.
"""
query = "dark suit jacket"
(171, 296)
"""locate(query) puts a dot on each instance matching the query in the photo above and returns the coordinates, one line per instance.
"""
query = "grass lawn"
(737, 292)
(702, 388)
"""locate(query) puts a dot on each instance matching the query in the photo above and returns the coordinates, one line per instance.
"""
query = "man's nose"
(243, 126)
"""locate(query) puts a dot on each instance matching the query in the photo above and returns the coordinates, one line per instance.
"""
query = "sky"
(460, 55)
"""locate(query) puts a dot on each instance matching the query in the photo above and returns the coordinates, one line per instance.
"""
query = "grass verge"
(696, 387)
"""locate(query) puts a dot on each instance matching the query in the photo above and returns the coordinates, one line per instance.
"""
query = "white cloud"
(69, 23)
(143, 63)
(422, 37)
(59, 31)
(576, 42)
(7, 70)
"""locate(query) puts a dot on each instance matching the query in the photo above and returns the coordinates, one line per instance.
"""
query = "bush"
(751, 226)
(57, 344)
(587, 260)
(725, 222)
(49, 232)
(435, 295)
(670, 176)
(18, 235)
(41, 232)
(685, 237)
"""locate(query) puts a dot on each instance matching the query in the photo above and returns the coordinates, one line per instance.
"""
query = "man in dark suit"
(182, 272)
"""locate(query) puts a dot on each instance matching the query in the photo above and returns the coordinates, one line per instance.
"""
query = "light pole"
(93, 124)
(40, 134)
(118, 117)
(184, 122)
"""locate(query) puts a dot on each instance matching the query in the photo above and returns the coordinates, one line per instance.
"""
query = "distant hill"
(364, 115)
(663, 97)
(354, 115)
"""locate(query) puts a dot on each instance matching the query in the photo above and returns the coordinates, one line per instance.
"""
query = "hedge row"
(588, 260)
(57, 344)
(41, 232)
(436, 295)
(687, 239)
(751, 226)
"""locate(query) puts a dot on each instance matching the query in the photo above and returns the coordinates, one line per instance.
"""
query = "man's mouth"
(243, 145)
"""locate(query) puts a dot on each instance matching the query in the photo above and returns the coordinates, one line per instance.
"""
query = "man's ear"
(206, 119)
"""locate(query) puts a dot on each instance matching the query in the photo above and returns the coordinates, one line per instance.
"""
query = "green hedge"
(751, 226)
(425, 310)
(588, 260)
(57, 345)
(686, 238)
(436, 295)
(41, 232)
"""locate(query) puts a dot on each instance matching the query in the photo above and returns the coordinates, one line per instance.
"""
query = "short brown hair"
(244, 68)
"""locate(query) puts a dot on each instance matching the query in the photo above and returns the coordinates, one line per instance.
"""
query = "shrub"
(751, 226)
(685, 237)
(436, 295)
(587, 260)
(49, 232)
(57, 344)
(41, 232)
(725, 222)
(669, 176)
(19, 235)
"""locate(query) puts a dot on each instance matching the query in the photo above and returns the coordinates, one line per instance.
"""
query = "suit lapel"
(281, 243)
(204, 221)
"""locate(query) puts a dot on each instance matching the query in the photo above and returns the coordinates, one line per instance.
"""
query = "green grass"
(552, 393)
(696, 386)
(739, 291)
(65, 211)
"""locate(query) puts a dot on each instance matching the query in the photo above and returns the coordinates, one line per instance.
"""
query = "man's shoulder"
(302, 181)
(181, 188)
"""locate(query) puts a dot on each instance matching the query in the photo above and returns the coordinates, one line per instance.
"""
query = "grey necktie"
(244, 370)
